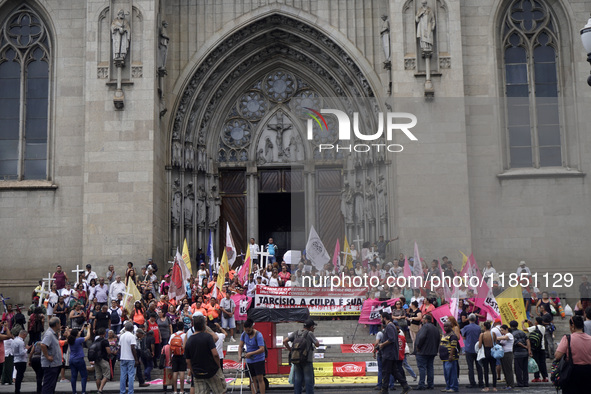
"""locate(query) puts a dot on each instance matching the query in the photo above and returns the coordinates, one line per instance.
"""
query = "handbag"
(291, 375)
(562, 370)
(479, 352)
(497, 352)
(532, 366)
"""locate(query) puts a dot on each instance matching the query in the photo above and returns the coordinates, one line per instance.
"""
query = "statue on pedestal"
(121, 36)
(425, 20)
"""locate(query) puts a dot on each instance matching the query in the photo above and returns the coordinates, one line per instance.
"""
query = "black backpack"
(300, 347)
(94, 352)
(115, 318)
(535, 339)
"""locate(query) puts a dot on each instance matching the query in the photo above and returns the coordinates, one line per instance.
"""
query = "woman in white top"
(274, 279)
(488, 272)
(52, 300)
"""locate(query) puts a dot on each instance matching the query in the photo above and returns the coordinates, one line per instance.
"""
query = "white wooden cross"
(126, 295)
(358, 241)
(42, 292)
(77, 272)
(49, 279)
(262, 254)
(346, 255)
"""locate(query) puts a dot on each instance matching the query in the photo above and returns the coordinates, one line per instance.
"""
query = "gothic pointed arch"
(26, 66)
(242, 108)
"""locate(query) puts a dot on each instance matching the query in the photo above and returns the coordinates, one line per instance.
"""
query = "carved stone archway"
(230, 116)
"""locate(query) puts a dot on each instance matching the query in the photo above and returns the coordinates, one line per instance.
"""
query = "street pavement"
(332, 385)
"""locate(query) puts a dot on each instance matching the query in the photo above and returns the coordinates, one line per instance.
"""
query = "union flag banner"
(357, 348)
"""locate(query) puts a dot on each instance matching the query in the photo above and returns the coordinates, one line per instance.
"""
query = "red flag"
(177, 287)
(442, 315)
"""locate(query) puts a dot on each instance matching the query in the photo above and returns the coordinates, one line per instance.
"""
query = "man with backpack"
(99, 353)
(301, 355)
(536, 340)
(177, 343)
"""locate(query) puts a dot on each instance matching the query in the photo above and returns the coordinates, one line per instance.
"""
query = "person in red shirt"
(153, 326)
(284, 275)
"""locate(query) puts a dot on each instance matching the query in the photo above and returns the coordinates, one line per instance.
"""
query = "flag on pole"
(407, 272)
(211, 256)
(246, 268)
(132, 294)
(177, 288)
(315, 250)
(348, 255)
(224, 269)
(336, 258)
(464, 259)
(186, 257)
(184, 269)
(417, 268)
(230, 248)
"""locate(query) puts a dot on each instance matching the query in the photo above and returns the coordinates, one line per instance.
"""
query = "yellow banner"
(511, 305)
(323, 369)
(132, 294)
(186, 257)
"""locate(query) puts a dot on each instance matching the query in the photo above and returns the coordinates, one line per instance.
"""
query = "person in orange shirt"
(213, 313)
(198, 306)
(137, 315)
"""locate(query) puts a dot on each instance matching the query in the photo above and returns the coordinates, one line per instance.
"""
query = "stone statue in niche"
(292, 150)
(176, 203)
(163, 48)
(214, 206)
(425, 20)
(370, 200)
(382, 193)
(261, 157)
(268, 150)
(347, 203)
(359, 203)
(189, 204)
(201, 206)
(189, 156)
(385, 34)
(177, 153)
(201, 159)
(120, 35)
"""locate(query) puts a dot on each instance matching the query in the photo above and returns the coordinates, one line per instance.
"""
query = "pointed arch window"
(530, 58)
(25, 54)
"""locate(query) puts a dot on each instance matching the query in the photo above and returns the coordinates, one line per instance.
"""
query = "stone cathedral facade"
(127, 126)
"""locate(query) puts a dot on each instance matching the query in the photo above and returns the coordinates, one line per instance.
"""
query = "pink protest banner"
(242, 304)
(442, 315)
(371, 313)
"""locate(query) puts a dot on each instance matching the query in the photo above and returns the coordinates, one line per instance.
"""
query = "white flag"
(184, 269)
(417, 268)
(230, 248)
(315, 250)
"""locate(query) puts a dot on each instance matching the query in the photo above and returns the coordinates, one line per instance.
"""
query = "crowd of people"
(90, 313)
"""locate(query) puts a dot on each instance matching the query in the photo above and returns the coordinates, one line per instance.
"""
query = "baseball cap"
(522, 262)
(498, 320)
(197, 313)
(309, 323)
